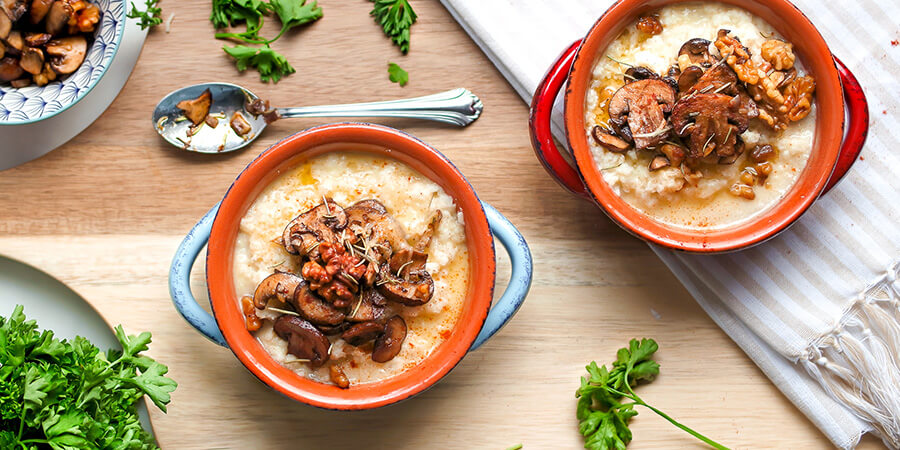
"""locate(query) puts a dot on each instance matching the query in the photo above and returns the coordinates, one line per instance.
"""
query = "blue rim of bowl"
(120, 32)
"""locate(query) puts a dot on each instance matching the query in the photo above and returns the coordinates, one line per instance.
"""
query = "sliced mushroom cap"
(637, 73)
(66, 53)
(710, 122)
(32, 60)
(388, 345)
(39, 9)
(196, 109)
(698, 51)
(10, 69)
(20, 83)
(313, 308)
(5, 26)
(239, 124)
(15, 43)
(645, 103)
(14, 9)
(304, 340)
(279, 285)
(384, 231)
(413, 291)
(58, 16)
(738, 150)
(621, 130)
(658, 162)
(424, 239)
(718, 79)
(688, 78)
(37, 39)
(674, 153)
(608, 140)
(328, 330)
(314, 226)
(362, 332)
(371, 307)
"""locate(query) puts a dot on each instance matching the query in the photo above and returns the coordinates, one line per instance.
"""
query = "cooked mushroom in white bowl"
(53, 52)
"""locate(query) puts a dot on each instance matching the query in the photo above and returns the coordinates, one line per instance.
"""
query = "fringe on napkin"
(858, 362)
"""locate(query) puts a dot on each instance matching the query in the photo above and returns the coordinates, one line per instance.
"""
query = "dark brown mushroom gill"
(301, 235)
(280, 286)
(406, 281)
(313, 308)
(710, 122)
(389, 343)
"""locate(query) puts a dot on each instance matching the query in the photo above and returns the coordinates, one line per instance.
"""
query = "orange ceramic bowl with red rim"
(478, 321)
(829, 158)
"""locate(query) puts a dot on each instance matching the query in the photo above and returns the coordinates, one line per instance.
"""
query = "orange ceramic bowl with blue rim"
(829, 159)
(478, 321)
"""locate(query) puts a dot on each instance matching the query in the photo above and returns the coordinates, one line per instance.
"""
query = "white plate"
(56, 307)
(22, 143)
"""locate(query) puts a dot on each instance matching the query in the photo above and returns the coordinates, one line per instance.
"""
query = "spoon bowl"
(457, 107)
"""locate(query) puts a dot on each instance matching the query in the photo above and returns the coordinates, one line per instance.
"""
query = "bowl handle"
(539, 124)
(858, 128)
(519, 282)
(180, 280)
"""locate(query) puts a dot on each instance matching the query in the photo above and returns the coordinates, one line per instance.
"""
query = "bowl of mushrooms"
(53, 52)
(351, 266)
(702, 126)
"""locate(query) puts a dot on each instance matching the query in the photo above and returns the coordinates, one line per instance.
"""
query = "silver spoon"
(457, 106)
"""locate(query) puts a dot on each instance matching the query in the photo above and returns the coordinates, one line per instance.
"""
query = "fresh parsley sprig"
(395, 17)
(70, 395)
(397, 75)
(272, 66)
(151, 16)
(602, 414)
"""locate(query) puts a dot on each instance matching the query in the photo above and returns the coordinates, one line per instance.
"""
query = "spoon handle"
(456, 106)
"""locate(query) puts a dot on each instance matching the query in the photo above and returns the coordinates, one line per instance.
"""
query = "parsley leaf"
(272, 66)
(395, 17)
(603, 417)
(397, 74)
(150, 17)
(226, 13)
(70, 395)
(293, 13)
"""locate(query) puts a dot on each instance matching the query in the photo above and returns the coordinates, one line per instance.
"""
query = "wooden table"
(105, 212)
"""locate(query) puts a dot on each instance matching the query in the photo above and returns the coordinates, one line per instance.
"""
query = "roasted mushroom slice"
(313, 308)
(317, 225)
(37, 39)
(15, 43)
(362, 332)
(645, 104)
(371, 219)
(197, 109)
(239, 124)
(10, 69)
(304, 340)
(719, 79)
(66, 54)
(696, 51)
(637, 73)
(5, 26)
(14, 9)
(658, 162)
(388, 345)
(370, 307)
(58, 16)
(20, 83)
(279, 285)
(674, 153)
(32, 60)
(407, 281)
(2, 49)
(621, 130)
(710, 122)
(612, 143)
(39, 10)
(688, 78)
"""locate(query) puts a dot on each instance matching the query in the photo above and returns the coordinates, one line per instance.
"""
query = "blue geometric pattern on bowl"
(33, 103)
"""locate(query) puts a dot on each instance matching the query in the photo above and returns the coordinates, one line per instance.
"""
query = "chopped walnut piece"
(649, 25)
(778, 53)
(799, 97)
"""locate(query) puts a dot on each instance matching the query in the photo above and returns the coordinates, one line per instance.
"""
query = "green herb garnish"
(150, 17)
(395, 17)
(227, 13)
(272, 66)
(603, 418)
(397, 74)
(70, 395)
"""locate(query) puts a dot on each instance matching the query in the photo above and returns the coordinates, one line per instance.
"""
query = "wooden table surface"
(105, 212)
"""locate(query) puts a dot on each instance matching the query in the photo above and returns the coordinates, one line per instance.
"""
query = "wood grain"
(105, 212)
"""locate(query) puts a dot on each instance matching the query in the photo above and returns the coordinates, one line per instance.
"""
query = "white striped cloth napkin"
(816, 308)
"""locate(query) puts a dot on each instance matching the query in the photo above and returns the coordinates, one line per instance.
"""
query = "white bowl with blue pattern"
(33, 103)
